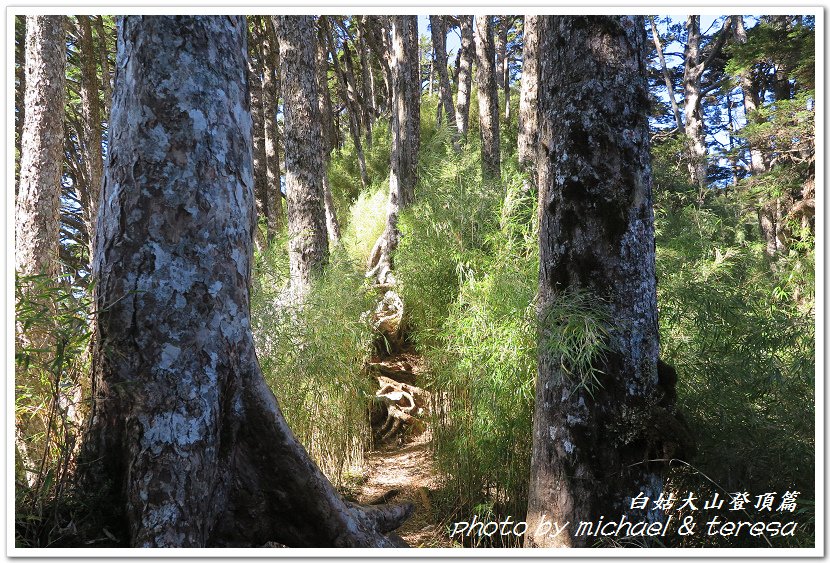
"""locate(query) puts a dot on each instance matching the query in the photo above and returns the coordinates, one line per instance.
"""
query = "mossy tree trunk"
(590, 449)
(187, 444)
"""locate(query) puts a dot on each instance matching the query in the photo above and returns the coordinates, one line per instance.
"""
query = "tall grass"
(313, 357)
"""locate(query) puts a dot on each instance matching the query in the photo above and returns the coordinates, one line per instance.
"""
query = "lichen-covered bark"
(465, 75)
(308, 243)
(187, 444)
(403, 176)
(439, 44)
(488, 100)
(596, 236)
(37, 210)
(528, 120)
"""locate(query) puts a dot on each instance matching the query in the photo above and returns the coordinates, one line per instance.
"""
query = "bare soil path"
(403, 470)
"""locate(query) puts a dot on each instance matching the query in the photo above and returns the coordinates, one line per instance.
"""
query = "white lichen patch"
(169, 354)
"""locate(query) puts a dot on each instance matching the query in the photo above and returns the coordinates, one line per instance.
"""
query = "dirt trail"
(403, 470)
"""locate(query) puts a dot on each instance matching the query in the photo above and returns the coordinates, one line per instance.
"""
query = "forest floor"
(402, 469)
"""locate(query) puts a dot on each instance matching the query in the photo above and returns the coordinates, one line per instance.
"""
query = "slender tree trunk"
(465, 75)
(488, 100)
(103, 54)
(692, 108)
(597, 237)
(308, 242)
(439, 42)
(260, 160)
(667, 80)
(324, 103)
(749, 89)
(37, 213)
(187, 445)
(91, 138)
(503, 66)
(405, 142)
(376, 34)
(368, 80)
(528, 99)
(270, 107)
(693, 69)
(351, 108)
(19, 94)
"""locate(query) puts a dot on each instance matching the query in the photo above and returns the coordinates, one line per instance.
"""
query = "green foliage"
(483, 364)
(792, 47)
(51, 366)
(313, 357)
(575, 331)
(743, 352)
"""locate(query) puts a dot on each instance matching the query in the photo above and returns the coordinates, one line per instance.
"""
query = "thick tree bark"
(187, 442)
(438, 29)
(403, 176)
(465, 75)
(528, 110)
(590, 449)
(488, 100)
(91, 138)
(37, 213)
(308, 242)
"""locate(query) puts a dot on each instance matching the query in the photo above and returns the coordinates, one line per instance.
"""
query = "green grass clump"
(313, 358)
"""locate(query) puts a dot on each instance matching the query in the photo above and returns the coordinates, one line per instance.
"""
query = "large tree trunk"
(403, 176)
(590, 448)
(528, 111)
(488, 100)
(187, 444)
(91, 116)
(439, 42)
(308, 243)
(37, 213)
(465, 75)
